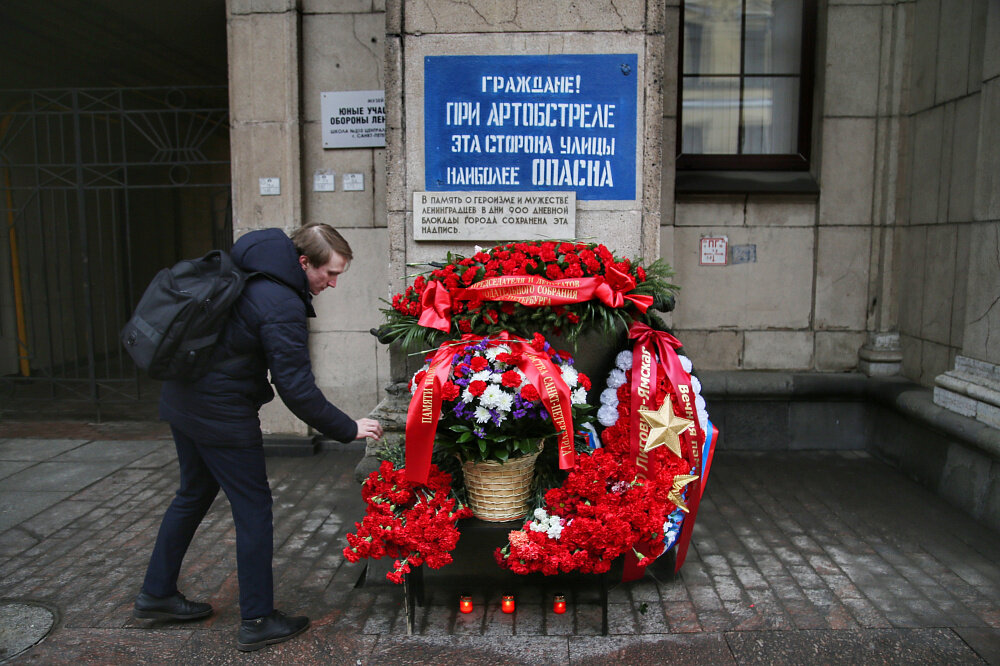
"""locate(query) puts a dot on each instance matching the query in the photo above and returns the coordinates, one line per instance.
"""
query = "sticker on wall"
(713, 251)
(539, 123)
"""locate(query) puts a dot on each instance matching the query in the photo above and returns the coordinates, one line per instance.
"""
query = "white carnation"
(624, 360)
(609, 397)
(703, 420)
(699, 402)
(608, 416)
(695, 385)
(540, 514)
(616, 378)
(554, 531)
(579, 396)
(685, 363)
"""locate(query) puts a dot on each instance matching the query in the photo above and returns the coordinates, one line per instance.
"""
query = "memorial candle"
(465, 604)
(507, 603)
(559, 604)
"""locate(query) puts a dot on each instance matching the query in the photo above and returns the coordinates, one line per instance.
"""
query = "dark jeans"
(242, 475)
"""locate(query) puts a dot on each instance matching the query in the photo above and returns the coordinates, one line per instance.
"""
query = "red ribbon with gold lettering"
(531, 290)
(648, 340)
(424, 410)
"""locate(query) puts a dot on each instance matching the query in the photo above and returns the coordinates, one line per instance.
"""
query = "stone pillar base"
(881, 355)
(391, 413)
(971, 389)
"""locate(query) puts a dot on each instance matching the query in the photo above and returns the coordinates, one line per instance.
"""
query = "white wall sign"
(270, 186)
(713, 251)
(498, 216)
(324, 180)
(354, 182)
(353, 119)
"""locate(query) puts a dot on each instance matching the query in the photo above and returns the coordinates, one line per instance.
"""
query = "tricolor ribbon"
(654, 352)
(424, 411)
(612, 289)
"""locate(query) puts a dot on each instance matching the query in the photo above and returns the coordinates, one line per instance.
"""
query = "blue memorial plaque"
(511, 123)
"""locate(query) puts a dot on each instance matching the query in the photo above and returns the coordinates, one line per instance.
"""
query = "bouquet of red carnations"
(602, 510)
(553, 287)
(416, 524)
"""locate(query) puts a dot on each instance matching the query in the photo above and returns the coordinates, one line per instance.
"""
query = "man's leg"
(194, 497)
(242, 473)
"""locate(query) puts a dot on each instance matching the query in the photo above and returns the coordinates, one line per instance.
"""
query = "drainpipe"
(15, 268)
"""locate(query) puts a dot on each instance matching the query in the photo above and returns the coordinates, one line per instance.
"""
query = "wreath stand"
(481, 533)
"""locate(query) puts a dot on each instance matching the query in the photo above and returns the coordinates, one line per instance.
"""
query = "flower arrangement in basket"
(414, 523)
(553, 287)
(501, 398)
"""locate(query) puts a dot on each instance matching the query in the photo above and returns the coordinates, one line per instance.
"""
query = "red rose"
(477, 387)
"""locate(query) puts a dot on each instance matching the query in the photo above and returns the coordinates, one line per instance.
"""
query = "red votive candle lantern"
(507, 603)
(559, 604)
(465, 604)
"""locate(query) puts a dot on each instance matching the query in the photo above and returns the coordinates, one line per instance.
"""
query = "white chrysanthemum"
(569, 375)
(685, 363)
(608, 416)
(491, 396)
(624, 360)
(695, 385)
(467, 396)
(579, 396)
(492, 352)
(482, 415)
(616, 378)
(609, 397)
(504, 402)
(481, 376)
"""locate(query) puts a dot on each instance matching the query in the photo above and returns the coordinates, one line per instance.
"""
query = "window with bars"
(746, 85)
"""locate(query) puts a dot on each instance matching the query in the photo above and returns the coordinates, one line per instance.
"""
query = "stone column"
(972, 387)
(264, 119)
(881, 355)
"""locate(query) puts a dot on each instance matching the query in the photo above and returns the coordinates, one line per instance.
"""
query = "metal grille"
(101, 188)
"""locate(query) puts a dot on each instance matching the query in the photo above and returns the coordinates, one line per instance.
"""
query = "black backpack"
(180, 316)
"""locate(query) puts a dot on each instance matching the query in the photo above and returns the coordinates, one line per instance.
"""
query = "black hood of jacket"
(271, 252)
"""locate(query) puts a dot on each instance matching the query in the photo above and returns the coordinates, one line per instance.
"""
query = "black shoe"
(270, 629)
(176, 607)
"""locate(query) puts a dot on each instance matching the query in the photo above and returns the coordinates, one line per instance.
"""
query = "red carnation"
(529, 392)
(477, 387)
(584, 380)
(510, 378)
(469, 276)
(478, 363)
(465, 326)
(450, 391)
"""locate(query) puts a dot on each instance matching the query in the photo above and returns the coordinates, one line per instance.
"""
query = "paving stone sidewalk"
(797, 558)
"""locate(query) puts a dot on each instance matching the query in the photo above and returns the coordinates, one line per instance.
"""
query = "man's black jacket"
(267, 331)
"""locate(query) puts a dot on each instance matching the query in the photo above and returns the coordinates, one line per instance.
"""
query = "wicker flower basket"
(499, 492)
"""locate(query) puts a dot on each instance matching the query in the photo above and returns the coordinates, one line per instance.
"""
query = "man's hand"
(369, 428)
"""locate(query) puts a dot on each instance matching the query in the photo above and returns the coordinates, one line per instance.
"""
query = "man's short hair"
(317, 240)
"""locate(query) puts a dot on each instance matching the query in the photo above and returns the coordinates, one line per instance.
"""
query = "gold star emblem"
(665, 427)
(674, 496)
